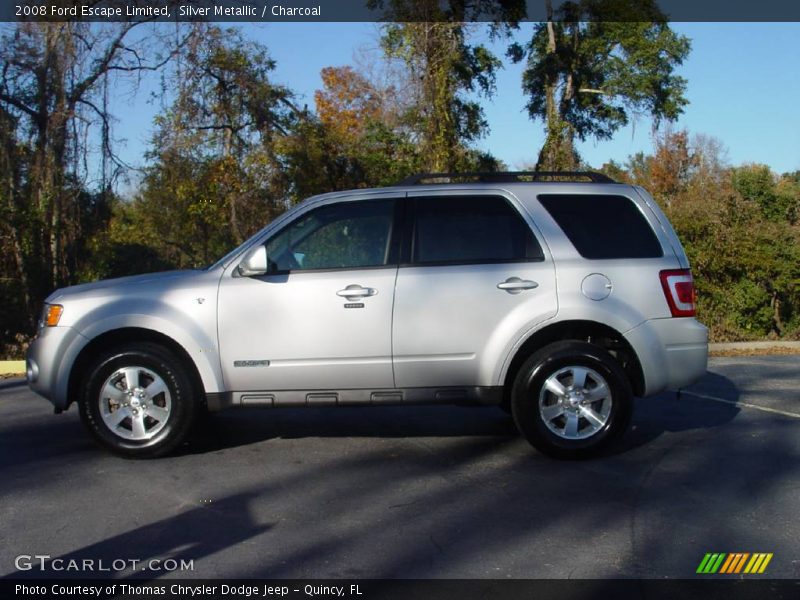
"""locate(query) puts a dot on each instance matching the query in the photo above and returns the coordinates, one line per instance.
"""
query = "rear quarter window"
(603, 226)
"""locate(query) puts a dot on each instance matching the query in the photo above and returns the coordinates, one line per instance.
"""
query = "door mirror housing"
(254, 262)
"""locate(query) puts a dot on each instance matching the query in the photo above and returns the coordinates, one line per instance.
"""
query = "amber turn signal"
(53, 315)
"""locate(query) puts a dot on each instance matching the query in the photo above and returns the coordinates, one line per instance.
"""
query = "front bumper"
(673, 352)
(49, 361)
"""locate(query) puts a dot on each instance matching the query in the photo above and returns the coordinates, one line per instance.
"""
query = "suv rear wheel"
(571, 399)
(137, 401)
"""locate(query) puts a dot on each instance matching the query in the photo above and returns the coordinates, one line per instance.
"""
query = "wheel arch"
(128, 335)
(592, 332)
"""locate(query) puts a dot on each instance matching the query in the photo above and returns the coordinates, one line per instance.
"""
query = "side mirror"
(254, 262)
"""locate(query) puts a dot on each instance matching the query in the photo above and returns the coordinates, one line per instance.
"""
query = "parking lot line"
(743, 404)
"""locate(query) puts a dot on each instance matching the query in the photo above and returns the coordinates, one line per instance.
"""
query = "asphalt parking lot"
(419, 491)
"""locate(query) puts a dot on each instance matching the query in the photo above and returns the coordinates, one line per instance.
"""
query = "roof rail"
(509, 177)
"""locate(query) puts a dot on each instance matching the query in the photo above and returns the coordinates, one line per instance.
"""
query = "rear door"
(473, 277)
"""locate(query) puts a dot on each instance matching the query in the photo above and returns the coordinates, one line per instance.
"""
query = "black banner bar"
(403, 589)
(383, 10)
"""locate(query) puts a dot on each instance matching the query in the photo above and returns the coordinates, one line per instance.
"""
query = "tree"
(443, 70)
(215, 176)
(777, 198)
(599, 63)
(788, 191)
(744, 251)
(672, 166)
(228, 110)
(347, 103)
(360, 139)
(52, 82)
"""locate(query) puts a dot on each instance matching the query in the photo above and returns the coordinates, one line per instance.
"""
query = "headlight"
(51, 315)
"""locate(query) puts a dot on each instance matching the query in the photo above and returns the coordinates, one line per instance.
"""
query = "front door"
(320, 319)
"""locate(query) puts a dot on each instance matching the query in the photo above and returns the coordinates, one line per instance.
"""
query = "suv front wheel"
(571, 399)
(137, 401)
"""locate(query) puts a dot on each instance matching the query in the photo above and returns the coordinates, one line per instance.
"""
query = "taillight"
(679, 290)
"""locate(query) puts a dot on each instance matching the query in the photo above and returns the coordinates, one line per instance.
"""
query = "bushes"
(739, 229)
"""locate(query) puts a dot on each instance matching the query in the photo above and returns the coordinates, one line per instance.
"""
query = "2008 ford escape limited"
(559, 297)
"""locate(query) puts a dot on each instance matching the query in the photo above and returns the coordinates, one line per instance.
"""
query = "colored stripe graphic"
(727, 564)
(711, 562)
(703, 563)
(765, 563)
(739, 566)
(734, 563)
(722, 563)
(759, 562)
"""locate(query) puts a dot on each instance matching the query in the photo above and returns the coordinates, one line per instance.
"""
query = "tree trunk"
(9, 161)
(441, 139)
(233, 198)
(558, 152)
(776, 312)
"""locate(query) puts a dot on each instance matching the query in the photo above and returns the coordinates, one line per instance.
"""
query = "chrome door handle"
(356, 291)
(515, 285)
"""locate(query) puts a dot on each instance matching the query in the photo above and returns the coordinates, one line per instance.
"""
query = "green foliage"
(759, 184)
(182, 210)
(388, 155)
(57, 165)
(615, 171)
(587, 73)
(314, 160)
(745, 260)
(751, 311)
(214, 177)
(232, 151)
(12, 297)
(443, 69)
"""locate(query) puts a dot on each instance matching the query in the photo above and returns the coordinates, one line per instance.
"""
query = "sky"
(743, 89)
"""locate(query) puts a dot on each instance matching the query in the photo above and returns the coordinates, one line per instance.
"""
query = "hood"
(154, 279)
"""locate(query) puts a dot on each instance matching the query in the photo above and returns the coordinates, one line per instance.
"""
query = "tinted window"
(470, 229)
(602, 226)
(338, 236)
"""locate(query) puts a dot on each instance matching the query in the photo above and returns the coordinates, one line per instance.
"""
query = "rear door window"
(470, 229)
(603, 226)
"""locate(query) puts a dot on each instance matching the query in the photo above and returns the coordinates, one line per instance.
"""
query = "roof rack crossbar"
(513, 177)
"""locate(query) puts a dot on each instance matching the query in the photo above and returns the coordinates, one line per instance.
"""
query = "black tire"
(177, 401)
(561, 362)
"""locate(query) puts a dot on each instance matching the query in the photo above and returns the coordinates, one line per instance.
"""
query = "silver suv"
(558, 297)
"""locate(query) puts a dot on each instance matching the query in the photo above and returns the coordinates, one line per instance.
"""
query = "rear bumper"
(673, 352)
(49, 360)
